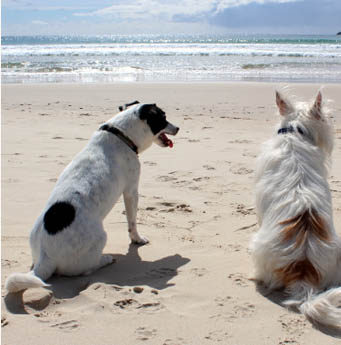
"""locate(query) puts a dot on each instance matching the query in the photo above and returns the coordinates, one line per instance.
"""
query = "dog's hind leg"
(45, 267)
(131, 201)
(88, 257)
(94, 258)
(105, 260)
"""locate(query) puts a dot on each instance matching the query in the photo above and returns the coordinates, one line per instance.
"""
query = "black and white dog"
(68, 238)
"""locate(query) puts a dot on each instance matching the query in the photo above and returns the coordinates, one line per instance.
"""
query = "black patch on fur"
(155, 117)
(124, 107)
(58, 217)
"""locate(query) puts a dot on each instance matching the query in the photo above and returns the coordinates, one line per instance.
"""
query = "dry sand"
(196, 207)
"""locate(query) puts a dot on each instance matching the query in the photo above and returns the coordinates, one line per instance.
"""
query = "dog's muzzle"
(171, 130)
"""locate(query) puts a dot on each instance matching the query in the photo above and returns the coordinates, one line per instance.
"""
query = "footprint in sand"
(166, 178)
(182, 183)
(167, 204)
(238, 279)
(288, 342)
(199, 179)
(176, 341)
(130, 304)
(126, 303)
(234, 248)
(240, 170)
(218, 336)
(221, 301)
(240, 141)
(171, 207)
(8, 263)
(241, 209)
(149, 163)
(187, 238)
(69, 325)
(249, 154)
(244, 310)
(199, 272)
(293, 324)
(150, 306)
(239, 310)
(43, 316)
(183, 208)
(335, 182)
(208, 167)
(145, 333)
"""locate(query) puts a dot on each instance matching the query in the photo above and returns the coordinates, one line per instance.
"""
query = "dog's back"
(296, 247)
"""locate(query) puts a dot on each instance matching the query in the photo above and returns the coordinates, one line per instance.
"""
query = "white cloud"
(154, 8)
(165, 16)
(160, 8)
(224, 4)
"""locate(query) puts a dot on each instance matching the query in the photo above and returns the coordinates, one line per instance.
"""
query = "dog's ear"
(284, 106)
(146, 109)
(316, 109)
(124, 107)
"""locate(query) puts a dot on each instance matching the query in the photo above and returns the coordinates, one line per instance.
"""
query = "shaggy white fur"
(68, 237)
(296, 247)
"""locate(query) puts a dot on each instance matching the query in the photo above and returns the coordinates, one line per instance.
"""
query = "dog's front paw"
(136, 238)
(139, 240)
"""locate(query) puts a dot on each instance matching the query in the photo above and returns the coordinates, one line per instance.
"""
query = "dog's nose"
(176, 130)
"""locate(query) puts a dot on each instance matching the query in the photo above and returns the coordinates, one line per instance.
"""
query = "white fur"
(93, 182)
(291, 177)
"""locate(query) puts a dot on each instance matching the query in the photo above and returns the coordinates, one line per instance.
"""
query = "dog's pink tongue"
(166, 140)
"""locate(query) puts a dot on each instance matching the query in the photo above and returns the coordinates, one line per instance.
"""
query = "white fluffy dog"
(296, 247)
(68, 237)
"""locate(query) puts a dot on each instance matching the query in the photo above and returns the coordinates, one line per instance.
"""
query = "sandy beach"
(189, 285)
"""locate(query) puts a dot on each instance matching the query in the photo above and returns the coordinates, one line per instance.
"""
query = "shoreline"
(205, 82)
(280, 81)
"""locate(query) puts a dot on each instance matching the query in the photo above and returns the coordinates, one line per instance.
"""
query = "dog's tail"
(323, 308)
(42, 270)
(21, 281)
(301, 275)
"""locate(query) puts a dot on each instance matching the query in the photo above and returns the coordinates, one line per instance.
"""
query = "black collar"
(119, 134)
(290, 129)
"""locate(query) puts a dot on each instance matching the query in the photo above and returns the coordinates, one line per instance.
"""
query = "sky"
(98, 17)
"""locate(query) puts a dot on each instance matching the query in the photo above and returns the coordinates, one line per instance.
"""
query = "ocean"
(156, 58)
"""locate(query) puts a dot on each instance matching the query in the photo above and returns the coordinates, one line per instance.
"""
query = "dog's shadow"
(279, 296)
(128, 270)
